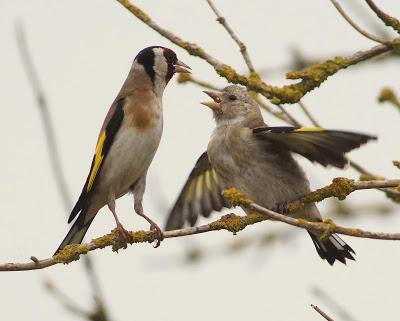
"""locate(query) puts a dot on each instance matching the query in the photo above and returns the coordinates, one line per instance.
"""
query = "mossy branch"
(310, 78)
(388, 20)
(340, 188)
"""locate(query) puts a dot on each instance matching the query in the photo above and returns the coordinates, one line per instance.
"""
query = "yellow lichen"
(230, 222)
(368, 177)
(184, 77)
(235, 197)
(329, 230)
(320, 72)
(388, 95)
(135, 10)
(340, 188)
(71, 253)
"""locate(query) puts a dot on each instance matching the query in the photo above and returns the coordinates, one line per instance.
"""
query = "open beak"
(181, 67)
(213, 105)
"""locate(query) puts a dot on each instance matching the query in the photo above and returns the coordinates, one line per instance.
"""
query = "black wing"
(200, 196)
(327, 147)
(104, 143)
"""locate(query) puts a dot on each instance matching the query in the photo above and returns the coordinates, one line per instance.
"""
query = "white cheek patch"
(160, 63)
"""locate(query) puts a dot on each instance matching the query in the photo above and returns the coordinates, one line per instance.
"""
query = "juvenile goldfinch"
(127, 142)
(247, 154)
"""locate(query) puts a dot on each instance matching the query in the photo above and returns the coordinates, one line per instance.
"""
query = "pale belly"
(128, 160)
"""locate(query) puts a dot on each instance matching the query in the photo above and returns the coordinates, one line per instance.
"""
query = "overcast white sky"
(83, 51)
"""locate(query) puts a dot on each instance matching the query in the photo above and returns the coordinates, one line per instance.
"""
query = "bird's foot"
(282, 208)
(159, 236)
(124, 234)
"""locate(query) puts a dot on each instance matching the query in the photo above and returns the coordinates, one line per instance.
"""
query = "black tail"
(76, 233)
(333, 248)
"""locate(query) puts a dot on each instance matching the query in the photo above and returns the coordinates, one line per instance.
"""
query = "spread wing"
(104, 143)
(200, 196)
(327, 147)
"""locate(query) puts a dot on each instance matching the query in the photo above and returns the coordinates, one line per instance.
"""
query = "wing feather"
(327, 147)
(103, 146)
(200, 195)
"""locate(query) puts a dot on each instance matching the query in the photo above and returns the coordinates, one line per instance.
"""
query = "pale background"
(83, 51)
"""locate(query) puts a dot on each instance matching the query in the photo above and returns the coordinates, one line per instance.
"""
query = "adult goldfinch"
(127, 142)
(247, 154)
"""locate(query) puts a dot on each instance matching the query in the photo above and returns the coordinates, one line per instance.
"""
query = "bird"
(127, 143)
(245, 153)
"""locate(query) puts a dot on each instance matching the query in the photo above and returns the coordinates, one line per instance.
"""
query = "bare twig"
(340, 311)
(310, 79)
(241, 45)
(388, 20)
(308, 114)
(232, 223)
(186, 77)
(42, 105)
(56, 164)
(322, 313)
(355, 26)
(66, 301)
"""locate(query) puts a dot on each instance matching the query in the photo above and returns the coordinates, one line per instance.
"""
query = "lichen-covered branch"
(232, 223)
(242, 46)
(388, 95)
(388, 20)
(340, 188)
(310, 79)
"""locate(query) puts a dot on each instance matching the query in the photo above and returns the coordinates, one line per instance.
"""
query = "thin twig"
(66, 301)
(310, 78)
(54, 155)
(308, 114)
(186, 77)
(355, 26)
(322, 313)
(388, 20)
(232, 223)
(291, 119)
(242, 46)
(42, 105)
(340, 311)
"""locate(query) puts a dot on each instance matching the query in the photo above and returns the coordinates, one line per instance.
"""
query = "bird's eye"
(232, 97)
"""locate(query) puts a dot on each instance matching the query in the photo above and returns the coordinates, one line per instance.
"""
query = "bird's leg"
(111, 205)
(138, 192)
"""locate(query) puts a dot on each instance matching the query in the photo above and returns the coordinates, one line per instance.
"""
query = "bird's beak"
(213, 105)
(181, 67)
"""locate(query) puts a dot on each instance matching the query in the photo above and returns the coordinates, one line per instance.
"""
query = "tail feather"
(333, 248)
(76, 233)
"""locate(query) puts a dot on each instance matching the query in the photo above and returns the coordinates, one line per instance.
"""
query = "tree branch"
(43, 108)
(355, 26)
(322, 313)
(310, 79)
(232, 223)
(242, 46)
(388, 20)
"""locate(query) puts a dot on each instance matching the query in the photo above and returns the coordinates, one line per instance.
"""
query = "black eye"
(232, 97)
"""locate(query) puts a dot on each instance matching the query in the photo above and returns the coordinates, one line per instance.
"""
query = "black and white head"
(232, 105)
(160, 64)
